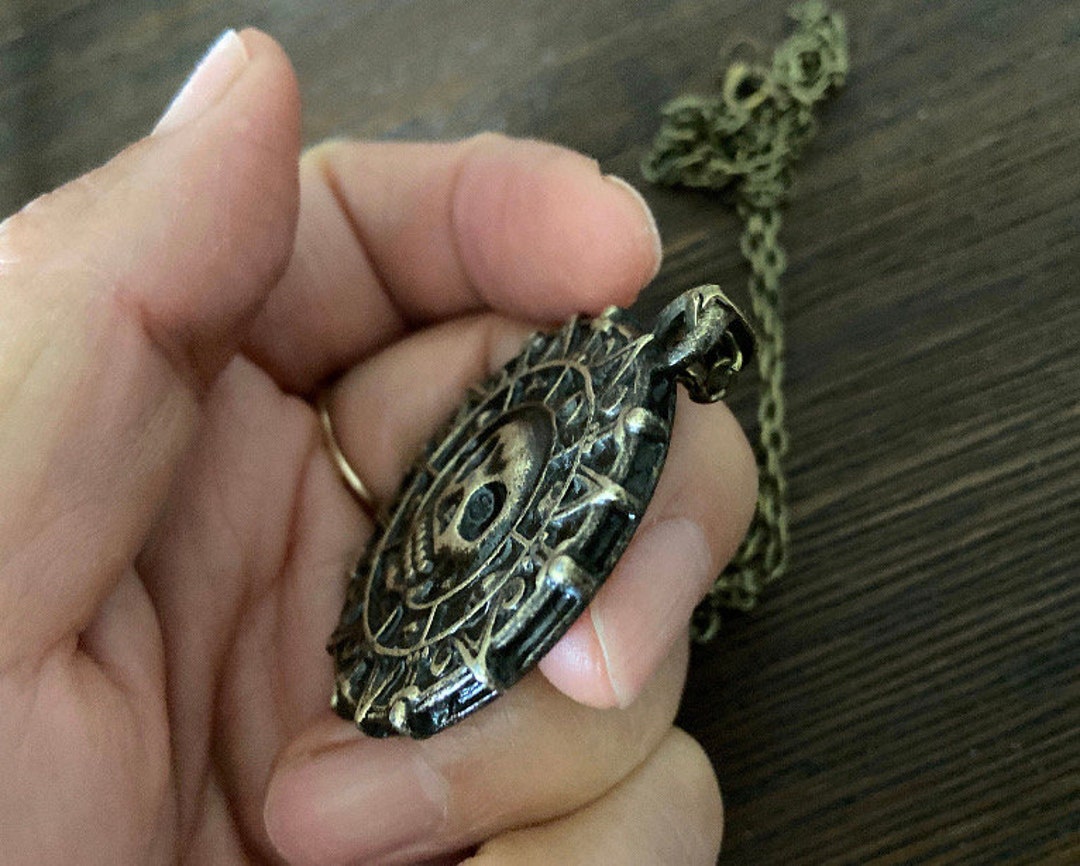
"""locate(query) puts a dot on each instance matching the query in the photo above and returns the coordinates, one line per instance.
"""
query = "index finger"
(394, 235)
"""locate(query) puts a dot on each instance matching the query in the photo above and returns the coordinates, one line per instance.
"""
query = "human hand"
(173, 537)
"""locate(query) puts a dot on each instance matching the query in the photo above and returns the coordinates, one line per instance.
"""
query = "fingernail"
(656, 585)
(649, 227)
(219, 68)
(361, 803)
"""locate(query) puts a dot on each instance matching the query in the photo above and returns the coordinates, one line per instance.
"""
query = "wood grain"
(910, 693)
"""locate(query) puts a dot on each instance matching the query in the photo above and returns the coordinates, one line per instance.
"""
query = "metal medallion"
(513, 517)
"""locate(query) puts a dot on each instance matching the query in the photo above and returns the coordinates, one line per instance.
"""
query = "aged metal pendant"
(510, 521)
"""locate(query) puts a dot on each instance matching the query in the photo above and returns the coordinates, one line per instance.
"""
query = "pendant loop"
(704, 340)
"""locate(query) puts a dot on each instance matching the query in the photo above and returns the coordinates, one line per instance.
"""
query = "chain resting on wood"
(745, 142)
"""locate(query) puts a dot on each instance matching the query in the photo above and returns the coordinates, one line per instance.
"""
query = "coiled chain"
(745, 141)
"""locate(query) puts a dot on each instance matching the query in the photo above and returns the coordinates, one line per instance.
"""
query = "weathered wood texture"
(910, 692)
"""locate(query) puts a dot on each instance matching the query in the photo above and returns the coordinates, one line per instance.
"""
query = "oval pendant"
(513, 517)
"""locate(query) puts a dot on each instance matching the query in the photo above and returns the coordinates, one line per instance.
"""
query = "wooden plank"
(909, 693)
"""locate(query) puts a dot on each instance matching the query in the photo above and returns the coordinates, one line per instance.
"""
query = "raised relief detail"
(509, 522)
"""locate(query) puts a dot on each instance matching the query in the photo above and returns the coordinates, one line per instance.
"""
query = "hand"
(174, 538)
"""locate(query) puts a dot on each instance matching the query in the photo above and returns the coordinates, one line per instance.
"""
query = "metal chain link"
(745, 142)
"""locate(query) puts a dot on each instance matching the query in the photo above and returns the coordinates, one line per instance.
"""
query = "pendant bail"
(704, 341)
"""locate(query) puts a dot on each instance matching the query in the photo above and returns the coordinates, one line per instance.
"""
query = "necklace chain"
(745, 142)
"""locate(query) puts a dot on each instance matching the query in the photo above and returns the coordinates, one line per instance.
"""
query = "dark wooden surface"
(910, 692)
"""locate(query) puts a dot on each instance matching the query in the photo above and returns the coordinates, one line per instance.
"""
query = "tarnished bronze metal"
(513, 517)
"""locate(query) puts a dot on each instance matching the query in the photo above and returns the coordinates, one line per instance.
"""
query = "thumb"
(122, 295)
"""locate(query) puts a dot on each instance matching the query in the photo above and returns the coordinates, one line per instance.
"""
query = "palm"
(245, 572)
